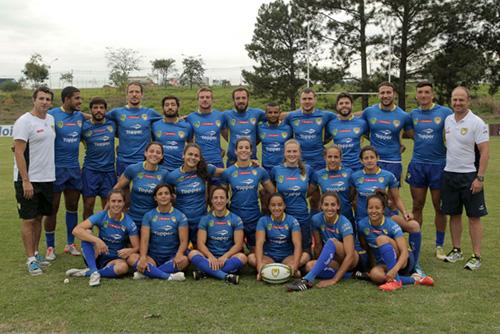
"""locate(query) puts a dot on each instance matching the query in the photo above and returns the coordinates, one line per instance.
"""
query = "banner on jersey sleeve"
(6, 130)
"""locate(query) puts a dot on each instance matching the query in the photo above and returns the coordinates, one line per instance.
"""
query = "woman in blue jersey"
(334, 241)
(106, 254)
(393, 264)
(243, 179)
(278, 239)
(164, 239)
(144, 176)
(335, 177)
(292, 179)
(220, 241)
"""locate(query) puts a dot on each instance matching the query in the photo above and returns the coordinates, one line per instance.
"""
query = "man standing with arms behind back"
(467, 141)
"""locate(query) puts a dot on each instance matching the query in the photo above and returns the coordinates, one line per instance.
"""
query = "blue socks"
(201, 263)
(232, 265)
(440, 238)
(326, 273)
(415, 240)
(89, 255)
(407, 280)
(108, 272)
(327, 255)
(71, 222)
(168, 267)
(50, 239)
(389, 256)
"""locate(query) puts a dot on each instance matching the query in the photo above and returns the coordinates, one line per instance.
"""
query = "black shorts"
(456, 194)
(41, 202)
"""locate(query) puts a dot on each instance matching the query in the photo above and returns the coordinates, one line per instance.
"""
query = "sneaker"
(361, 276)
(419, 270)
(42, 261)
(454, 255)
(77, 272)
(473, 263)
(34, 268)
(138, 275)
(198, 274)
(391, 286)
(95, 279)
(72, 250)
(440, 254)
(299, 285)
(179, 276)
(423, 280)
(50, 255)
(232, 278)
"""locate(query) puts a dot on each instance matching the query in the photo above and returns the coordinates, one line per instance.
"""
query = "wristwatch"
(480, 178)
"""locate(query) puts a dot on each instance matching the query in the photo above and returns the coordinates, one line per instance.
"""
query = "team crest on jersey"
(284, 134)
(196, 124)
(123, 117)
(366, 231)
(396, 123)
(155, 218)
(303, 177)
(174, 219)
(105, 224)
(60, 124)
(373, 120)
(229, 222)
(322, 228)
(158, 134)
(281, 178)
(356, 130)
(254, 172)
(217, 122)
(253, 120)
(181, 134)
(334, 132)
(269, 227)
(463, 131)
(319, 121)
(324, 177)
(211, 223)
(262, 135)
(437, 120)
(381, 179)
(158, 177)
(235, 174)
(233, 122)
(140, 175)
(110, 128)
(360, 180)
(296, 122)
(344, 174)
(385, 231)
(88, 133)
(79, 123)
(415, 121)
(144, 117)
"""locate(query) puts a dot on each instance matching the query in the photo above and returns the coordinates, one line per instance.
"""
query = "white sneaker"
(440, 254)
(138, 275)
(177, 276)
(50, 255)
(34, 268)
(95, 279)
(77, 272)
(72, 250)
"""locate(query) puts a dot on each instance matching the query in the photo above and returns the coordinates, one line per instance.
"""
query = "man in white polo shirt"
(467, 157)
(34, 173)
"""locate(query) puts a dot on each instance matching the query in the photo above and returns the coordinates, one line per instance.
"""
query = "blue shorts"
(317, 164)
(120, 167)
(68, 178)
(193, 231)
(423, 175)
(102, 260)
(277, 258)
(410, 266)
(161, 259)
(395, 168)
(97, 183)
(249, 229)
(305, 230)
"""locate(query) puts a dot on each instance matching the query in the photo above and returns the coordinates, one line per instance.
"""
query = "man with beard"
(134, 124)
(385, 122)
(69, 121)
(347, 132)
(98, 172)
(172, 132)
(241, 121)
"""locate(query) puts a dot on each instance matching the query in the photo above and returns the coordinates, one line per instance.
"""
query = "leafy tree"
(163, 67)
(279, 46)
(67, 77)
(122, 61)
(35, 70)
(192, 72)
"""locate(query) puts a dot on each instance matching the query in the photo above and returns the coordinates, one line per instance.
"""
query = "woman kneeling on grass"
(220, 241)
(334, 238)
(106, 254)
(387, 247)
(278, 239)
(164, 240)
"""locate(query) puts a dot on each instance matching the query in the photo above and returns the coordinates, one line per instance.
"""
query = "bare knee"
(242, 258)
(183, 263)
(309, 265)
(120, 267)
(377, 274)
(193, 253)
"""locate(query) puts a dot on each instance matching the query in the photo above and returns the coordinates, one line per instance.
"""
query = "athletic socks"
(389, 256)
(232, 264)
(50, 238)
(324, 259)
(71, 222)
(326, 273)
(168, 267)
(415, 240)
(440, 238)
(407, 280)
(201, 263)
(89, 256)
(108, 272)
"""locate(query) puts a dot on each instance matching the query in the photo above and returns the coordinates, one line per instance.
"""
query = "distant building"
(2, 80)
(222, 83)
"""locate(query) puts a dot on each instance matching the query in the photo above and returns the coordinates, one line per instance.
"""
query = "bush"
(10, 86)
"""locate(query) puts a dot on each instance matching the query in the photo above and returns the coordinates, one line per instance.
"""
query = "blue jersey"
(428, 125)
(68, 127)
(371, 232)
(114, 233)
(293, 186)
(220, 231)
(99, 139)
(366, 185)
(337, 181)
(206, 129)
(309, 130)
(348, 134)
(190, 191)
(143, 183)
(242, 124)
(134, 131)
(164, 231)
(340, 229)
(244, 183)
(385, 128)
(278, 242)
(273, 138)
(173, 137)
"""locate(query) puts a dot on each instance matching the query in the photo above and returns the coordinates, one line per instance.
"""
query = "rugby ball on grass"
(275, 273)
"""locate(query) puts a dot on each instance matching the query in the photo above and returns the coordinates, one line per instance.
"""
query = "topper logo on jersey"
(273, 147)
(426, 134)
(164, 231)
(136, 130)
(72, 138)
(222, 235)
(384, 134)
(147, 188)
(279, 239)
(249, 185)
(191, 188)
(209, 135)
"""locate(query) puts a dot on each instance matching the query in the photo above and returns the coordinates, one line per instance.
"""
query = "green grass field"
(461, 301)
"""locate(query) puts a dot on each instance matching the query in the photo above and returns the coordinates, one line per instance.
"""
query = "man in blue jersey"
(69, 121)
(429, 158)
(172, 132)
(241, 122)
(386, 121)
(273, 134)
(98, 172)
(134, 124)
(207, 126)
(347, 132)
